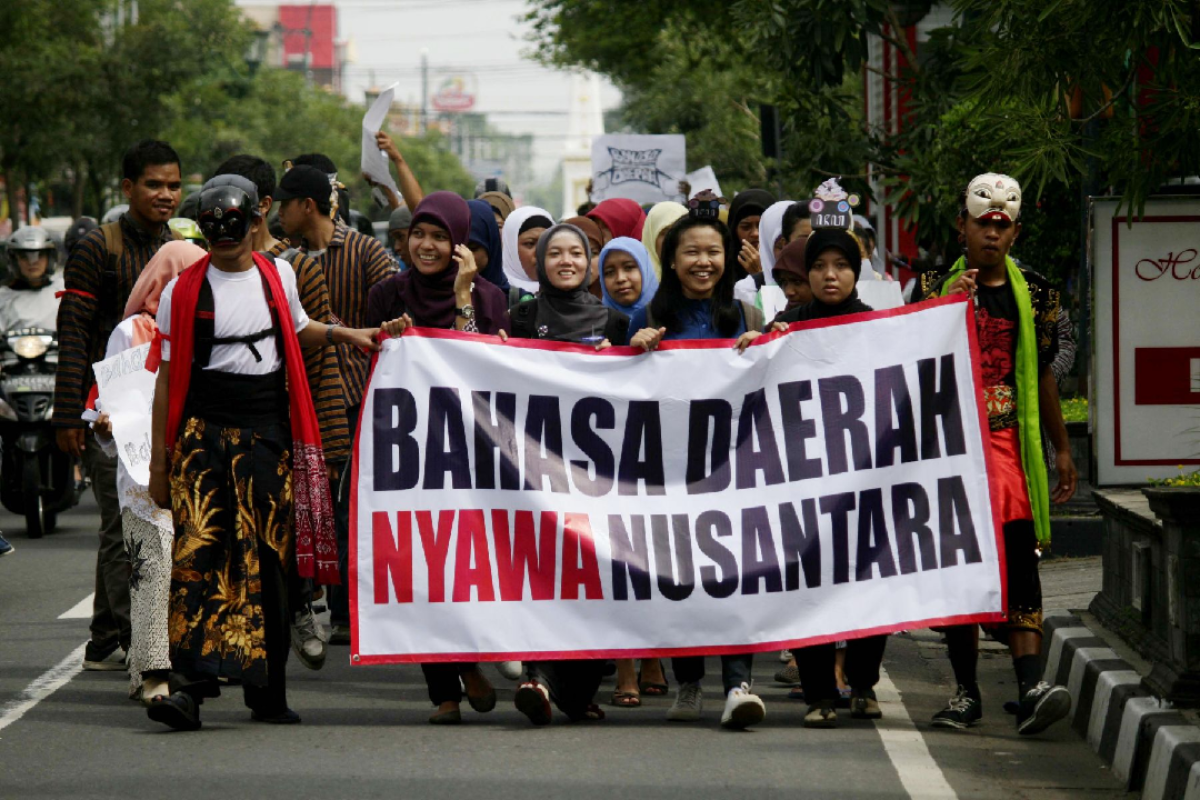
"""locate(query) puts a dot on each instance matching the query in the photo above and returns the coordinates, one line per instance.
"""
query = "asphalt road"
(364, 733)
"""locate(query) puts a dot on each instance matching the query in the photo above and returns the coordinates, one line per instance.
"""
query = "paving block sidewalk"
(1151, 746)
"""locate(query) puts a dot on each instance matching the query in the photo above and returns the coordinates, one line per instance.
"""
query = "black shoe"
(178, 711)
(1041, 707)
(963, 711)
(533, 700)
(5, 547)
(102, 658)
(286, 717)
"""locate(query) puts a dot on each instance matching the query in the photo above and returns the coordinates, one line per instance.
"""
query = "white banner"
(642, 167)
(126, 394)
(536, 500)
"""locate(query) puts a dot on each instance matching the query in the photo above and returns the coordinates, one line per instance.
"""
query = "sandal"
(626, 700)
(652, 689)
(591, 713)
(177, 711)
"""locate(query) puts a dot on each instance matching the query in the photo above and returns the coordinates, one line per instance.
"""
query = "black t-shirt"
(996, 324)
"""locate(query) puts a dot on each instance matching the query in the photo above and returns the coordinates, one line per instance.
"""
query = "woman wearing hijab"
(759, 288)
(662, 216)
(695, 301)
(485, 244)
(626, 279)
(564, 310)
(148, 530)
(791, 276)
(595, 242)
(521, 232)
(745, 212)
(618, 216)
(502, 206)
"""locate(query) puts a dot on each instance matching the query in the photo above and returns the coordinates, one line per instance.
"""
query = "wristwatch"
(329, 333)
(466, 312)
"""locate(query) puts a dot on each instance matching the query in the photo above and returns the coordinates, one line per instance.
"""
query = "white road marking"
(45, 685)
(920, 775)
(81, 610)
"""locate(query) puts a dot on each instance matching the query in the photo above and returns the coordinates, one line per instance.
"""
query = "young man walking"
(1016, 316)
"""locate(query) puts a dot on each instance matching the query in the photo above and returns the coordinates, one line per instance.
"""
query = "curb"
(1151, 746)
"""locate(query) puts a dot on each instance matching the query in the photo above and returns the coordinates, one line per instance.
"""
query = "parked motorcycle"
(36, 478)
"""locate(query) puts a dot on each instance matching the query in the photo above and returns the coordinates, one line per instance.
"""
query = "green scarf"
(1029, 424)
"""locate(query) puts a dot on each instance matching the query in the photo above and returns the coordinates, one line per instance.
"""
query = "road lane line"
(45, 685)
(81, 610)
(920, 775)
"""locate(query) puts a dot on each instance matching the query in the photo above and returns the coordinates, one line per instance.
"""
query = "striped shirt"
(353, 263)
(92, 306)
(321, 364)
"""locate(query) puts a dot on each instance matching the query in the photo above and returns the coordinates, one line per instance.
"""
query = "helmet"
(190, 207)
(31, 239)
(114, 213)
(188, 229)
(228, 204)
(79, 229)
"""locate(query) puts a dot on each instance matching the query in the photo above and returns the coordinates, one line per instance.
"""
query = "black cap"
(303, 181)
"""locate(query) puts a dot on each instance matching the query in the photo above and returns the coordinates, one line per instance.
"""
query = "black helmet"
(228, 205)
(79, 229)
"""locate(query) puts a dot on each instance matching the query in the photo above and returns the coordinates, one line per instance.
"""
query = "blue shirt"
(696, 318)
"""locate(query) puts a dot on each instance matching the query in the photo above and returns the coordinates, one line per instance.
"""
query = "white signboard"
(126, 394)
(1145, 396)
(643, 168)
(540, 500)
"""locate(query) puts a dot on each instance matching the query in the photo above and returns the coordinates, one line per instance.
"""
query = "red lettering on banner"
(436, 545)
(579, 559)
(472, 564)
(520, 555)
(392, 556)
(1149, 269)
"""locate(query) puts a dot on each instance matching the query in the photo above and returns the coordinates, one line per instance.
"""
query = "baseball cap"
(303, 181)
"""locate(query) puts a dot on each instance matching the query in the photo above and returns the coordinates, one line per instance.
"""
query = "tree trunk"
(78, 187)
(10, 192)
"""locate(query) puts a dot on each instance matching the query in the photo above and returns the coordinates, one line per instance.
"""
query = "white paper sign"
(538, 500)
(703, 178)
(643, 168)
(374, 161)
(126, 393)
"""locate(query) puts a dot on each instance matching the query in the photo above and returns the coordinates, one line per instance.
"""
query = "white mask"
(994, 196)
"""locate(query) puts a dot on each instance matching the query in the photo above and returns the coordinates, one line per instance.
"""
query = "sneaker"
(689, 702)
(822, 715)
(1041, 707)
(864, 705)
(307, 639)
(533, 700)
(5, 547)
(103, 659)
(963, 711)
(788, 676)
(339, 634)
(743, 708)
(509, 669)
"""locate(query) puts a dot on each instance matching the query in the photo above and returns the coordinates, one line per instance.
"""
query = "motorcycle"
(36, 478)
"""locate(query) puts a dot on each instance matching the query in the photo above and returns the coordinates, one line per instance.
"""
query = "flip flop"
(626, 700)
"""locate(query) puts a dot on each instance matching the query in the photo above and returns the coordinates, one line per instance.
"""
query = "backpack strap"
(205, 327)
(523, 317)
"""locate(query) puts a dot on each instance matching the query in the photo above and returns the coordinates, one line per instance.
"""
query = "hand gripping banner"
(536, 500)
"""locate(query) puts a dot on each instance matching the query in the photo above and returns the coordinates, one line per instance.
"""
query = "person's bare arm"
(1052, 419)
(404, 175)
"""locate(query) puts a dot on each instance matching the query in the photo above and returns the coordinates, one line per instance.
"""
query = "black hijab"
(567, 315)
(819, 241)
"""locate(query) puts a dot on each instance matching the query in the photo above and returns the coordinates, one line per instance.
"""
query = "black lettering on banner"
(839, 422)
(629, 557)
(593, 446)
(710, 526)
(874, 545)
(543, 431)
(940, 402)
(891, 392)
(676, 573)
(391, 438)
(759, 561)
(755, 422)
(643, 432)
(797, 430)
(446, 422)
(700, 478)
(801, 544)
(953, 507)
(838, 507)
(496, 437)
(910, 520)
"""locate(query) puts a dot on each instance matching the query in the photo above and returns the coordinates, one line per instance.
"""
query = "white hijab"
(770, 298)
(512, 255)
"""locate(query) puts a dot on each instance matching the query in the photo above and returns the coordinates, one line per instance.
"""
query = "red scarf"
(316, 543)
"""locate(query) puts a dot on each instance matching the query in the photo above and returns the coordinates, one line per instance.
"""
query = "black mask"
(225, 214)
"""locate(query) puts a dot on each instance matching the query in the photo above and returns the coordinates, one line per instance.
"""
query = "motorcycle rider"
(27, 299)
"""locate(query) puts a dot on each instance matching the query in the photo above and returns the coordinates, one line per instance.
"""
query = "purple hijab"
(429, 299)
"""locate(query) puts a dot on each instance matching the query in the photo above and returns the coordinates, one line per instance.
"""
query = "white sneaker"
(307, 639)
(510, 669)
(689, 702)
(743, 708)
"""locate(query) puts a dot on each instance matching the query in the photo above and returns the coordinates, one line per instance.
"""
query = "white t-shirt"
(30, 308)
(241, 309)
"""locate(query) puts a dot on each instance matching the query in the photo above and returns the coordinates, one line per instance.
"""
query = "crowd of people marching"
(261, 303)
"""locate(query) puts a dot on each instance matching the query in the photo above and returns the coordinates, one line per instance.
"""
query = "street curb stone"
(1151, 746)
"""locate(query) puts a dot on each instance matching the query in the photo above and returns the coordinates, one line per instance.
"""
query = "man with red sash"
(237, 458)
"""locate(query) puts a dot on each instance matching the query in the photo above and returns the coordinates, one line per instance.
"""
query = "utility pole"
(424, 90)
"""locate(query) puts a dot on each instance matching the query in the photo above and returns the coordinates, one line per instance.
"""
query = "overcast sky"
(482, 37)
